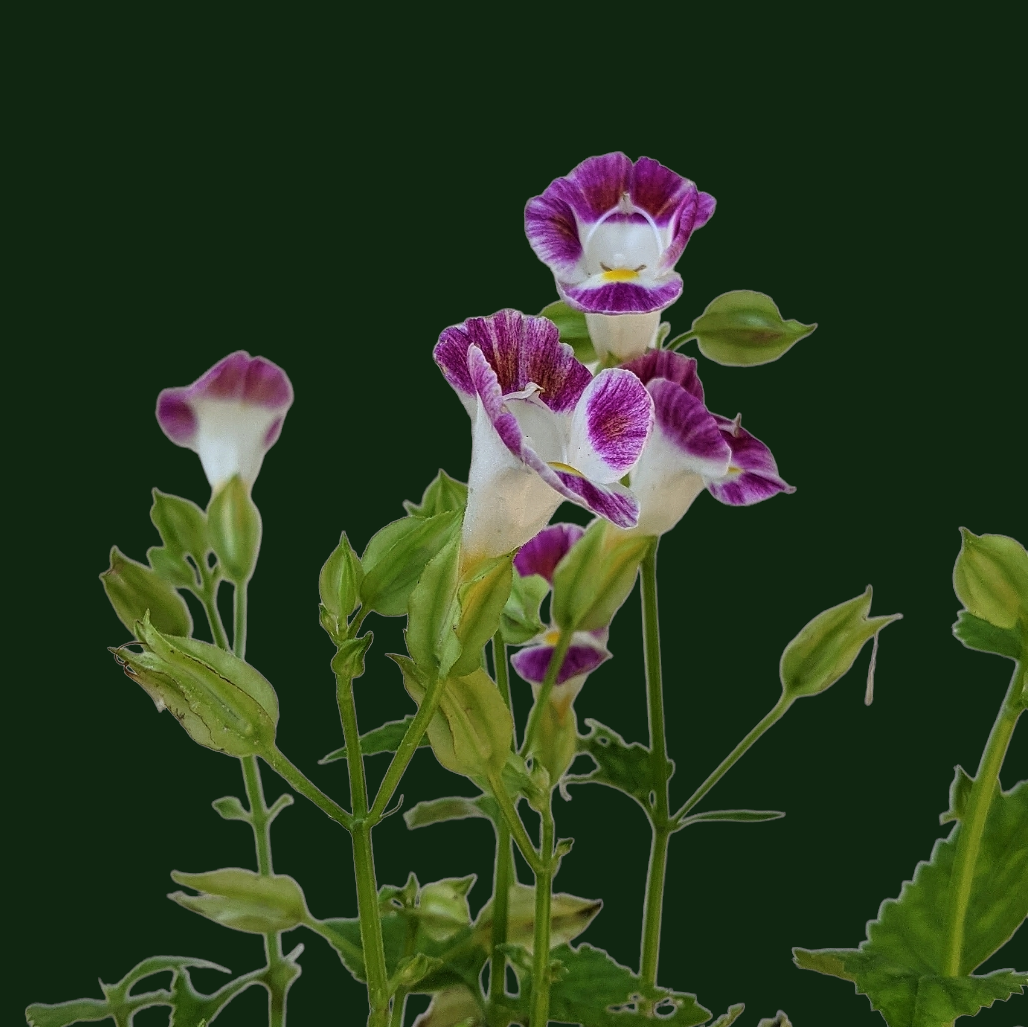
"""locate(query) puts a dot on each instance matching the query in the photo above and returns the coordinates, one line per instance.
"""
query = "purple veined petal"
(614, 502)
(552, 231)
(659, 190)
(663, 363)
(595, 186)
(541, 554)
(695, 211)
(752, 475)
(610, 426)
(230, 416)
(599, 295)
(584, 655)
(690, 428)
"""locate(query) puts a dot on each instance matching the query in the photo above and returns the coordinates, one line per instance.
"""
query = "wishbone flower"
(588, 648)
(543, 429)
(692, 449)
(611, 231)
(231, 416)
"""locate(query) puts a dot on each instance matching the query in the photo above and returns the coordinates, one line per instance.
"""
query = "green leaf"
(828, 645)
(597, 991)
(339, 585)
(520, 621)
(744, 328)
(595, 577)
(173, 569)
(455, 807)
(133, 589)
(739, 816)
(472, 730)
(234, 529)
(569, 917)
(979, 634)
(626, 767)
(182, 526)
(230, 808)
(386, 738)
(990, 578)
(431, 607)
(778, 1020)
(443, 495)
(348, 661)
(243, 900)
(729, 1017)
(959, 791)
(572, 329)
(397, 556)
(480, 602)
(901, 967)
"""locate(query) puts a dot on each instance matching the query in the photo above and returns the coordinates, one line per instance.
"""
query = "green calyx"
(990, 578)
(234, 529)
(133, 589)
(243, 900)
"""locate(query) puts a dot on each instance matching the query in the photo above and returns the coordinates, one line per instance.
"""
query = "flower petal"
(614, 502)
(690, 428)
(610, 426)
(752, 475)
(541, 554)
(583, 656)
(230, 416)
(663, 363)
(595, 186)
(598, 295)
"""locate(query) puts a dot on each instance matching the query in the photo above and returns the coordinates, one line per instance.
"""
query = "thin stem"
(560, 650)
(258, 814)
(972, 827)
(208, 597)
(517, 829)
(406, 749)
(364, 859)
(659, 811)
(239, 621)
(399, 1007)
(504, 872)
(733, 757)
(307, 788)
(541, 936)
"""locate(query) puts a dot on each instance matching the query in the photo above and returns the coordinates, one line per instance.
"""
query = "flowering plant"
(588, 403)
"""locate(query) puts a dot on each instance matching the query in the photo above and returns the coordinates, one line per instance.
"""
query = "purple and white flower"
(692, 449)
(588, 648)
(543, 429)
(231, 416)
(611, 231)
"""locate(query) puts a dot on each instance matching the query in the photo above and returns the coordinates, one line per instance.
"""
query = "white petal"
(230, 438)
(625, 335)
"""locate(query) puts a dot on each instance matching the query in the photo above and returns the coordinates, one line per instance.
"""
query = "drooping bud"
(133, 589)
(827, 647)
(234, 525)
(242, 900)
(222, 702)
(991, 578)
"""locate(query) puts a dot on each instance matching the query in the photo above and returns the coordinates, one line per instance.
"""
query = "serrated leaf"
(572, 328)
(959, 790)
(744, 328)
(979, 634)
(386, 738)
(181, 524)
(901, 967)
(739, 816)
(729, 1017)
(442, 495)
(397, 556)
(455, 807)
(626, 767)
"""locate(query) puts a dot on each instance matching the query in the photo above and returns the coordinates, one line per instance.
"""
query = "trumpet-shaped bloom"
(611, 231)
(231, 416)
(588, 648)
(692, 449)
(543, 429)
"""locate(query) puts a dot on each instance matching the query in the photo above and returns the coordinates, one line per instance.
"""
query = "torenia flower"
(543, 429)
(692, 449)
(587, 650)
(231, 416)
(611, 232)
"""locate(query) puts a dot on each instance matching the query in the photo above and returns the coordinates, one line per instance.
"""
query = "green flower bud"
(133, 589)
(991, 578)
(827, 647)
(339, 585)
(221, 701)
(443, 907)
(234, 527)
(243, 900)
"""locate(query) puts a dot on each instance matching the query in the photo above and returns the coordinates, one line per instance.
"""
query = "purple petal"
(521, 350)
(662, 363)
(658, 190)
(641, 296)
(533, 662)
(695, 211)
(595, 186)
(612, 422)
(687, 424)
(176, 417)
(541, 554)
(252, 380)
(752, 475)
(553, 231)
(614, 502)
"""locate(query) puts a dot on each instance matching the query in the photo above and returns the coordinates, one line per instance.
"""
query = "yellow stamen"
(552, 637)
(566, 468)
(620, 274)
(732, 469)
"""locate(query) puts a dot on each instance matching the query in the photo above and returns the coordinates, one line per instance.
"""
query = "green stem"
(364, 859)
(732, 758)
(406, 749)
(660, 810)
(299, 782)
(541, 936)
(399, 1007)
(972, 827)
(504, 872)
(560, 650)
(517, 829)
(239, 621)
(208, 597)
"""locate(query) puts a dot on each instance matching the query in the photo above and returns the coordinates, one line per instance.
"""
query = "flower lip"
(752, 474)
(584, 655)
(540, 555)
(611, 231)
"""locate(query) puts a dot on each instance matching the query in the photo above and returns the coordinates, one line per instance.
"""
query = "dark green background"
(331, 193)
